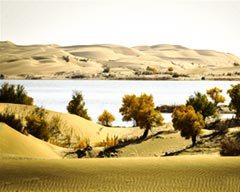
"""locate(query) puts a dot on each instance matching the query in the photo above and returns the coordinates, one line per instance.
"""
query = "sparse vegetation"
(12, 121)
(109, 142)
(170, 69)
(37, 124)
(77, 105)
(106, 118)
(152, 69)
(230, 147)
(10, 93)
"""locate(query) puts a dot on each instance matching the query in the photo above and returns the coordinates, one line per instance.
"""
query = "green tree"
(77, 105)
(201, 104)
(106, 118)
(186, 120)
(234, 94)
(14, 94)
(141, 110)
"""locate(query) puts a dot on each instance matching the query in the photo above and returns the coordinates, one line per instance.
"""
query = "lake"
(107, 94)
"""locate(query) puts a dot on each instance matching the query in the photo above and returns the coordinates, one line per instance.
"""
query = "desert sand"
(115, 62)
(183, 173)
(30, 164)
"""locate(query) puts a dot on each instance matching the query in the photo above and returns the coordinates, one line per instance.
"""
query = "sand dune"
(89, 61)
(184, 173)
(14, 144)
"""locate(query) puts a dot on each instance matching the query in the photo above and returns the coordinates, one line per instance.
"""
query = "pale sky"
(197, 24)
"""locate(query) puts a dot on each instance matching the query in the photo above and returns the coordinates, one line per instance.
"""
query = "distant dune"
(115, 62)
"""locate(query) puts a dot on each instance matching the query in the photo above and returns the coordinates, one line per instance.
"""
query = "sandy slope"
(183, 173)
(14, 144)
(89, 61)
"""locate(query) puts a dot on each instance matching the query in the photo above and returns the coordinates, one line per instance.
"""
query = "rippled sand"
(183, 173)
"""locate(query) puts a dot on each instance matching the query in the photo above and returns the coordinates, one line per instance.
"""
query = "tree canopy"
(106, 118)
(77, 105)
(189, 122)
(201, 104)
(141, 111)
(234, 94)
(10, 93)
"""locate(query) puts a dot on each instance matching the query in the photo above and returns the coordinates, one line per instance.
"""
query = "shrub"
(82, 144)
(110, 142)
(152, 69)
(230, 147)
(14, 94)
(106, 118)
(11, 121)
(170, 69)
(37, 125)
(77, 105)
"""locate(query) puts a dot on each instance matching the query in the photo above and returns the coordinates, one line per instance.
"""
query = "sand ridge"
(91, 61)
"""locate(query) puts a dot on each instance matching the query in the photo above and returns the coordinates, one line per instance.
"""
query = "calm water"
(101, 94)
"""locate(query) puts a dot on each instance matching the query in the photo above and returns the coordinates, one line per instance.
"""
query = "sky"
(197, 24)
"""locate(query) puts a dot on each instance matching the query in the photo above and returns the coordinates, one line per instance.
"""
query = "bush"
(12, 121)
(110, 142)
(37, 125)
(82, 144)
(230, 147)
(14, 94)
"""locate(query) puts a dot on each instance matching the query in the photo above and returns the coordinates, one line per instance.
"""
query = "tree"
(141, 111)
(214, 93)
(186, 120)
(201, 104)
(77, 104)
(14, 94)
(106, 118)
(234, 94)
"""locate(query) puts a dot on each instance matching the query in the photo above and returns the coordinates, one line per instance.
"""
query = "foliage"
(141, 111)
(170, 69)
(110, 141)
(106, 118)
(77, 104)
(82, 144)
(12, 121)
(230, 147)
(234, 94)
(14, 94)
(37, 125)
(152, 69)
(202, 105)
(214, 94)
(189, 122)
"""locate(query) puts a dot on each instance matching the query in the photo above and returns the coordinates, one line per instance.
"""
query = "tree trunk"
(145, 134)
(194, 138)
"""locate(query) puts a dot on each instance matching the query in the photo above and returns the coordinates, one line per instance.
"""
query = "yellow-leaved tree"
(141, 111)
(106, 118)
(186, 120)
(214, 93)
